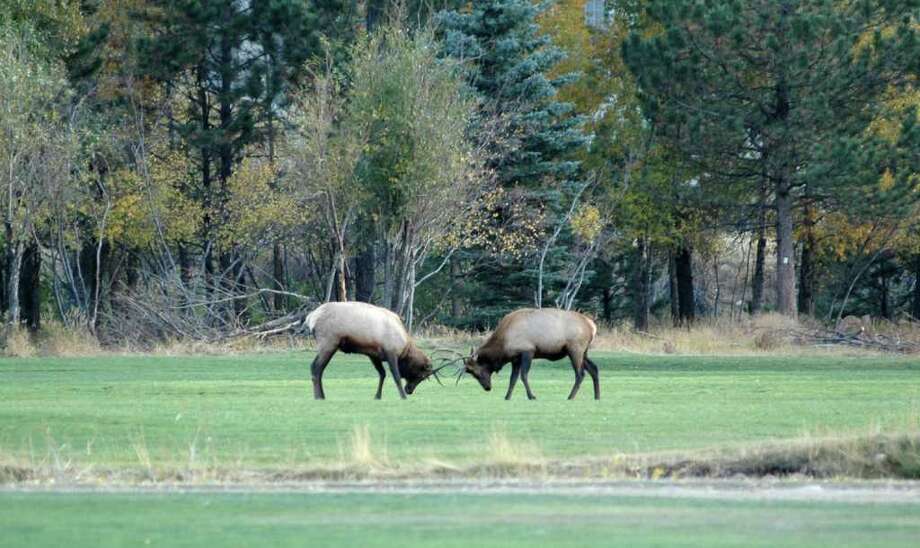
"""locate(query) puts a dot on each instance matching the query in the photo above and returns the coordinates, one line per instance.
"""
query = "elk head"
(482, 373)
(415, 368)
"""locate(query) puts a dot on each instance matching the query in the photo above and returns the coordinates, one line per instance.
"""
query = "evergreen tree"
(777, 89)
(510, 63)
(233, 61)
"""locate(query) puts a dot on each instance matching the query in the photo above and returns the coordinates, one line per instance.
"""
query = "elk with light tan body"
(379, 334)
(528, 334)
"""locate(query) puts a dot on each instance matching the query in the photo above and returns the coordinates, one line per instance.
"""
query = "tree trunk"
(9, 260)
(454, 281)
(387, 273)
(204, 113)
(342, 268)
(341, 283)
(785, 253)
(672, 289)
(807, 266)
(232, 270)
(374, 10)
(91, 272)
(30, 287)
(279, 302)
(130, 278)
(4, 278)
(806, 299)
(12, 290)
(683, 263)
(400, 270)
(185, 265)
(410, 300)
(757, 281)
(915, 301)
(364, 274)
(232, 273)
(607, 302)
(641, 286)
(884, 301)
(15, 268)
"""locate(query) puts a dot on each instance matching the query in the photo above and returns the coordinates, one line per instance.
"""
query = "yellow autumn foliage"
(897, 103)
(586, 223)
(139, 204)
(498, 222)
(886, 181)
(255, 207)
(841, 236)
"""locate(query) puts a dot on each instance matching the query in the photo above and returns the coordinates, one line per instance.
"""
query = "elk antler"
(445, 362)
(435, 374)
(451, 351)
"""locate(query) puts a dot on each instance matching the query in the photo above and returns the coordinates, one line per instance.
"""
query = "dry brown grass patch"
(56, 339)
(360, 452)
(868, 457)
(17, 343)
(766, 333)
(873, 456)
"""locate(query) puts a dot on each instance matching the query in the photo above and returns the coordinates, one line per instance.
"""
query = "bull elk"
(379, 334)
(528, 334)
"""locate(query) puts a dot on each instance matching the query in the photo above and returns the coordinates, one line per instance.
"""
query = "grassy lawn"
(363, 519)
(257, 412)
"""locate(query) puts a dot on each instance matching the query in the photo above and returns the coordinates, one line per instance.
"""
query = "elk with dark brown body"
(528, 334)
(379, 334)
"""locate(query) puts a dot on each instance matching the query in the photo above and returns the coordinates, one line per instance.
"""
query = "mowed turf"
(258, 412)
(461, 520)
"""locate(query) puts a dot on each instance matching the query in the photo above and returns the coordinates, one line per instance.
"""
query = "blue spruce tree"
(510, 63)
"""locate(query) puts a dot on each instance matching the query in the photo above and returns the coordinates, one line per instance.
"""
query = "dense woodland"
(191, 168)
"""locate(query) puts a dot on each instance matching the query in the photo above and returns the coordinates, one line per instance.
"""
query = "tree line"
(191, 168)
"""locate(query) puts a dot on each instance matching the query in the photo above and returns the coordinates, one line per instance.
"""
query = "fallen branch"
(833, 338)
(293, 323)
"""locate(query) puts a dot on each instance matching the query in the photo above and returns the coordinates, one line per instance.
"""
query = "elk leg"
(526, 359)
(579, 368)
(378, 365)
(394, 370)
(316, 371)
(592, 370)
(515, 371)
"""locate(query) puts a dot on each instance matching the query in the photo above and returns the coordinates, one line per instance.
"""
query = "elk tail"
(313, 317)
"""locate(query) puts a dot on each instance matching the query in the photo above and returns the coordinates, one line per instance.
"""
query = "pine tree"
(233, 62)
(510, 63)
(777, 89)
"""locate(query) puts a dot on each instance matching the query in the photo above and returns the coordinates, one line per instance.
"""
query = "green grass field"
(257, 412)
(362, 519)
